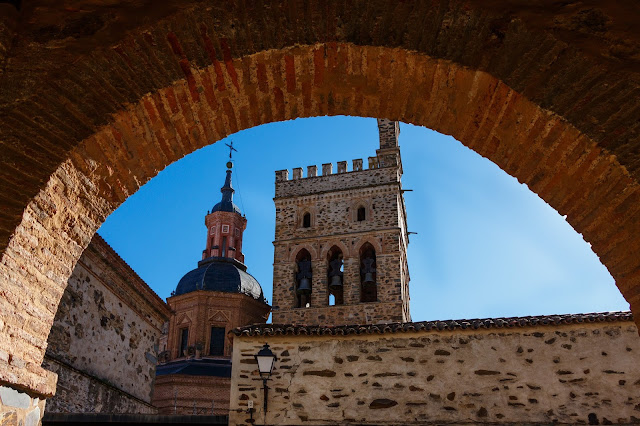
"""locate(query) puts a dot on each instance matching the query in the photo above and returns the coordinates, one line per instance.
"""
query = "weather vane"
(231, 149)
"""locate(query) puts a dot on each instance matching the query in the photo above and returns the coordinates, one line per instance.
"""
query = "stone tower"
(341, 242)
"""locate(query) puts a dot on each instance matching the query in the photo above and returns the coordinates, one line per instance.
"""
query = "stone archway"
(126, 98)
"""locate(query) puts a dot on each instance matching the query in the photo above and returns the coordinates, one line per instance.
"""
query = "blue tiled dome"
(226, 206)
(220, 274)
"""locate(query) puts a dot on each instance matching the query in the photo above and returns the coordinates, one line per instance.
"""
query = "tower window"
(306, 220)
(213, 230)
(362, 214)
(335, 275)
(184, 341)
(216, 344)
(368, 276)
(303, 277)
(225, 229)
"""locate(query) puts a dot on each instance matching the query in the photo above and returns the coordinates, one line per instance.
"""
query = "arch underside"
(519, 96)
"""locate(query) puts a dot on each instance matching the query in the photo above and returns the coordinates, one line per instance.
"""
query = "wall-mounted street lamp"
(266, 360)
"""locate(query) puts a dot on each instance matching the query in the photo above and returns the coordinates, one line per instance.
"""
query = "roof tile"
(463, 324)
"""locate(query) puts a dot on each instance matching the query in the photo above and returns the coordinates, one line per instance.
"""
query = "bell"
(304, 287)
(336, 282)
(368, 279)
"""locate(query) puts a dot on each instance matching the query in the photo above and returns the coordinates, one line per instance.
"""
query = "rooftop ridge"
(450, 325)
(98, 240)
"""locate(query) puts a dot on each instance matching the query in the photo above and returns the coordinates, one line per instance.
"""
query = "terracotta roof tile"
(463, 324)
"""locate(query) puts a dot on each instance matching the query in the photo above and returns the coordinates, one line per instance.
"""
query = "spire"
(226, 204)
(227, 189)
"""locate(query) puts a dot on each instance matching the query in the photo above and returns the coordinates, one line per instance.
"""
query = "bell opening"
(335, 276)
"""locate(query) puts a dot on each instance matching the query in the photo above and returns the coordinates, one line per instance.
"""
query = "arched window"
(224, 246)
(216, 342)
(184, 341)
(368, 283)
(335, 276)
(306, 220)
(303, 279)
(362, 214)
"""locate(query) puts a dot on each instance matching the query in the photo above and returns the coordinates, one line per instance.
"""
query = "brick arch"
(116, 108)
(298, 247)
(355, 249)
(334, 243)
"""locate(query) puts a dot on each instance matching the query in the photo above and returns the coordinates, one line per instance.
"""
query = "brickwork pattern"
(214, 222)
(201, 310)
(575, 373)
(547, 93)
(177, 394)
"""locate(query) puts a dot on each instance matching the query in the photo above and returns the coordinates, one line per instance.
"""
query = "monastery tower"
(341, 241)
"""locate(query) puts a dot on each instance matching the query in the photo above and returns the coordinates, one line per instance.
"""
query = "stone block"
(282, 175)
(373, 162)
(14, 398)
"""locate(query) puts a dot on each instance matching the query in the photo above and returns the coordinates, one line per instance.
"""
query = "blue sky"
(486, 246)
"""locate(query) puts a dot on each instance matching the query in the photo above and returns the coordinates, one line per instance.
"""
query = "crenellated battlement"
(332, 226)
(382, 160)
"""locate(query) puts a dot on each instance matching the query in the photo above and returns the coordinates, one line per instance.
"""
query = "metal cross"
(231, 149)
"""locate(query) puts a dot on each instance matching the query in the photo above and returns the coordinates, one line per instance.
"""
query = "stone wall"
(19, 408)
(79, 392)
(104, 340)
(332, 201)
(415, 373)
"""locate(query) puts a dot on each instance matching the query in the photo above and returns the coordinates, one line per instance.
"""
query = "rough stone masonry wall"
(79, 392)
(19, 408)
(104, 340)
(579, 373)
(332, 200)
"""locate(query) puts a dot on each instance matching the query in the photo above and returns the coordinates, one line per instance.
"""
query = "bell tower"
(340, 248)
(225, 225)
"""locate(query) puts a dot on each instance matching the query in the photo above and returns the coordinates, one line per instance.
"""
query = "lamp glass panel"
(265, 364)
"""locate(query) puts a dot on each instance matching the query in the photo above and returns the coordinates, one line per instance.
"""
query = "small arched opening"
(335, 276)
(361, 214)
(303, 279)
(306, 220)
(368, 283)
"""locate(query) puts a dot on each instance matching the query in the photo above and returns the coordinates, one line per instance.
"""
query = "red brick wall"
(177, 394)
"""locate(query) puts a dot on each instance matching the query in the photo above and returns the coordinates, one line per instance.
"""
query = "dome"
(226, 206)
(220, 274)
